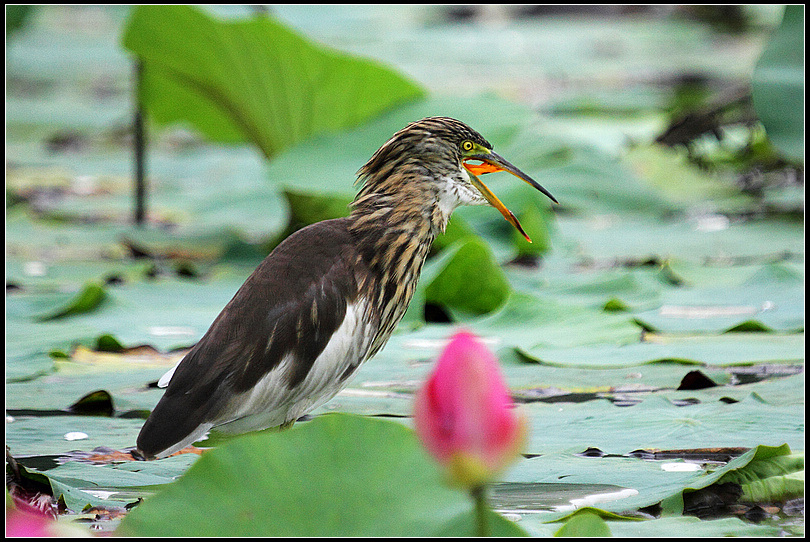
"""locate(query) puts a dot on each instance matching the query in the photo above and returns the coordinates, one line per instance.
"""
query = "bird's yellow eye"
(467, 146)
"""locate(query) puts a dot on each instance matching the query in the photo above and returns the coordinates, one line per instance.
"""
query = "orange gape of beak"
(490, 163)
(482, 168)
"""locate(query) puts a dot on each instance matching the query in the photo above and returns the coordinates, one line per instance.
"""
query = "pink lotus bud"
(27, 524)
(35, 519)
(463, 414)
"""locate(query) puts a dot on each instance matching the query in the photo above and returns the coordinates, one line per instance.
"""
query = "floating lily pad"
(659, 423)
(637, 482)
(739, 349)
(217, 495)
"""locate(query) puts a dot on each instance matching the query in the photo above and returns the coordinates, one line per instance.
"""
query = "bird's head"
(447, 153)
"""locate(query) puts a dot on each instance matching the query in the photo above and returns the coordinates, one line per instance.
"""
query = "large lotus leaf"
(321, 478)
(679, 295)
(771, 299)
(738, 349)
(778, 84)
(685, 526)
(616, 237)
(723, 273)
(253, 79)
(210, 189)
(470, 263)
(770, 478)
(611, 483)
(29, 341)
(384, 384)
(134, 308)
(765, 382)
(29, 241)
(580, 178)
(117, 481)
(526, 321)
(46, 435)
(80, 482)
(669, 171)
(778, 488)
(328, 164)
(637, 287)
(137, 312)
(126, 376)
(692, 527)
(659, 423)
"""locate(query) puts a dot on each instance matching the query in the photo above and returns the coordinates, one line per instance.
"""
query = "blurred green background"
(671, 135)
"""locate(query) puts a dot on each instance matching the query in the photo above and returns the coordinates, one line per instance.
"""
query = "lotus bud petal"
(464, 414)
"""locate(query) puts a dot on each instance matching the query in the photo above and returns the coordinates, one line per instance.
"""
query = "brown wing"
(291, 304)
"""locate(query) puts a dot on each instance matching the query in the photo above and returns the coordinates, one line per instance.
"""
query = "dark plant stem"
(140, 149)
(479, 497)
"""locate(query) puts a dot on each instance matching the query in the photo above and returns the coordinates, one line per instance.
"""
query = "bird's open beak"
(489, 163)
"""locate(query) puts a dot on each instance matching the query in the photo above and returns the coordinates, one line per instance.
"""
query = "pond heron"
(329, 296)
